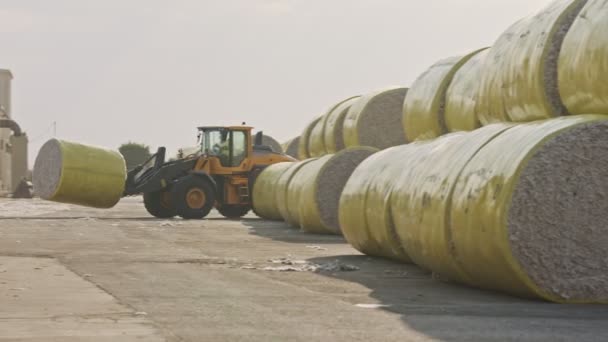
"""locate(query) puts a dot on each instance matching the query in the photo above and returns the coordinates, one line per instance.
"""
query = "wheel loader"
(220, 174)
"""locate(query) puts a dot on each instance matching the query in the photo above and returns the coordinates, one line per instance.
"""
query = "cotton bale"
(282, 191)
(529, 216)
(583, 62)
(314, 192)
(290, 147)
(424, 105)
(422, 195)
(333, 135)
(519, 77)
(375, 120)
(264, 191)
(69, 172)
(316, 144)
(303, 145)
(272, 143)
(463, 94)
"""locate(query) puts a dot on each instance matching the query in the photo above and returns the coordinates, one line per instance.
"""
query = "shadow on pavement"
(281, 231)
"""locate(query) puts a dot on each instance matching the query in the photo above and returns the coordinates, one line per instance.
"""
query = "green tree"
(134, 154)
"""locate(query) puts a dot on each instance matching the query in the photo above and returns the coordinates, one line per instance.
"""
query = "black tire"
(158, 204)
(193, 197)
(234, 211)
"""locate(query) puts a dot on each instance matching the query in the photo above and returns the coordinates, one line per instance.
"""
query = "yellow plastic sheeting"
(375, 120)
(583, 62)
(422, 197)
(333, 135)
(316, 144)
(302, 207)
(73, 173)
(462, 95)
(481, 201)
(517, 78)
(424, 105)
(282, 191)
(264, 191)
(303, 146)
(365, 207)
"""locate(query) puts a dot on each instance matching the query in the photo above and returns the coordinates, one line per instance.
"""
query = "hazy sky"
(109, 71)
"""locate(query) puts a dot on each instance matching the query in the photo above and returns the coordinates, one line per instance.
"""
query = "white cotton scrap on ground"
(288, 265)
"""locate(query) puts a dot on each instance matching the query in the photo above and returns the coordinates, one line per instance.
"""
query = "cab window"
(239, 148)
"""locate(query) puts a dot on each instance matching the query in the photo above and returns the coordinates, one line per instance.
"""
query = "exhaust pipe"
(13, 126)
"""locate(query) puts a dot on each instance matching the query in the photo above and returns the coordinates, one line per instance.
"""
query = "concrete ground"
(76, 274)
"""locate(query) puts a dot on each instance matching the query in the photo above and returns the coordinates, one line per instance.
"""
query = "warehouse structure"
(13, 141)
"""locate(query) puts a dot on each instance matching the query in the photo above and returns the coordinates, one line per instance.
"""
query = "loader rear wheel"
(193, 197)
(233, 211)
(158, 204)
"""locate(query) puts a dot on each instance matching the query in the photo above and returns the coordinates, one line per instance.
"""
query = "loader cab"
(231, 145)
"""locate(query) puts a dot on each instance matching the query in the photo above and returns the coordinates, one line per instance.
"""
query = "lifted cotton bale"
(290, 147)
(365, 212)
(583, 62)
(264, 191)
(282, 191)
(334, 126)
(463, 94)
(529, 211)
(422, 197)
(303, 147)
(519, 77)
(272, 143)
(314, 192)
(375, 120)
(424, 105)
(68, 172)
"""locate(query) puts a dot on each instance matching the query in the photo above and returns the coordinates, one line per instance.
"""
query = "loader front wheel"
(193, 197)
(233, 211)
(158, 204)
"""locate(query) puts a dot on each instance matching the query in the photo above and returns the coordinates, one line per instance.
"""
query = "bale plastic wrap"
(303, 144)
(316, 143)
(282, 191)
(73, 173)
(483, 198)
(423, 108)
(302, 207)
(375, 120)
(583, 62)
(462, 95)
(264, 191)
(365, 212)
(423, 193)
(519, 77)
(334, 135)
(290, 147)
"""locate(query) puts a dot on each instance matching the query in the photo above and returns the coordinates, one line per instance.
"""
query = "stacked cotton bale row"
(78, 174)
(519, 79)
(583, 61)
(290, 147)
(515, 208)
(424, 107)
(306, 194)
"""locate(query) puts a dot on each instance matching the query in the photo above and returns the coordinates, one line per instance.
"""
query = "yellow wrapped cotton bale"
(421, 200)
(68, 172)
(583, 61)
(375, 120)
(303, 145)
(424, 105)
(334, 126)
(316, 144)
(264, 191)
(529, 214)
(519, 76)
(365, 211)
(314, 191)
(462, 95)
(272, 143)
(290, 147)
(282, 191)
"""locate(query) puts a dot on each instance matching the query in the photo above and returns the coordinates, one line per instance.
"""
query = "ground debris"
(288, 265)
